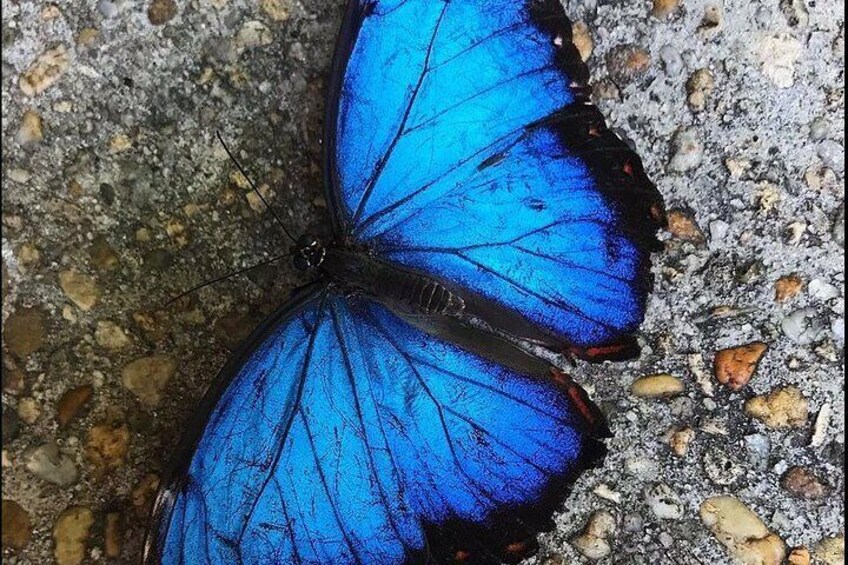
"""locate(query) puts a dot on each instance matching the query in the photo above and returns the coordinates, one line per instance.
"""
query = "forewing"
(463, 146)
(348, 436)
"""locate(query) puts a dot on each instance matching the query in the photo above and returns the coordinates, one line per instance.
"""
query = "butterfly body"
(403, 408)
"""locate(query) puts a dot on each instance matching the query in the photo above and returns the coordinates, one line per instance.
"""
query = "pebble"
(142, 495)
(664, 502)
(593, 542)
(741, 531)
(788, 287)
(802, 483)
(819, 177)
(679, 439)
(102, 255)
(20, 176)
(604, 491)
(277, 10)
(712, 22)
(28, 254)
(819, 129)
(784, 407)
(28, 410)
(838, 230)
(110, 336)
(798, 556)
(253, 34)
(803, 326)
(627, 63)
(107, 446)
(686, 151)
(795, 12)
(778, 53)
(147, 377)
(11, 425)
(49, 464)
(671, 59)
(161, 11)
(72, 403)
(831, 550)
(821, 425)
(832, 154)
(23, 333)
(699, 88)
(31, 129)
(605, 89)
(582, 40)
(70, 534)
(662, 9)
(759, 447)
(721, 468)
(87, 36)
(823, 291)
(234, 328)
(113, 535)
(47, 69)
(735, 366)
(682, 226)
(80, 289)
(17, 527)
(656, 386)
(642, 468)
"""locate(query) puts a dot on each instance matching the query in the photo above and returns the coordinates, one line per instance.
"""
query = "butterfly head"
(308, 253)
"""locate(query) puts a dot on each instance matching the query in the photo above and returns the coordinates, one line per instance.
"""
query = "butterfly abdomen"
(402, 288)
(420, 293)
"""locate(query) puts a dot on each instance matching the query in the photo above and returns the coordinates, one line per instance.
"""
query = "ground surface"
(116, 196)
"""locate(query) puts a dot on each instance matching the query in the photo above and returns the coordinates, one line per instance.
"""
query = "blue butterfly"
(402, 408)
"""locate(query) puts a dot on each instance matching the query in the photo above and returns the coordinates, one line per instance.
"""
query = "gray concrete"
(128, 162)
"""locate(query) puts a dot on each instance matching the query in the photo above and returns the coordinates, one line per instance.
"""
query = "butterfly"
(404, 407)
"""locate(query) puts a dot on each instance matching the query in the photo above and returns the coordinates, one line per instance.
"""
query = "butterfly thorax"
(401, 289)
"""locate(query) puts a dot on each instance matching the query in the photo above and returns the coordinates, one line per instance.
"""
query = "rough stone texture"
(128, 186)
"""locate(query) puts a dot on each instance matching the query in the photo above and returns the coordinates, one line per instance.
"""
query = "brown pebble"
(17, 528)
(31, 129)
(102, 255)
(81, 289)
(682, 226)
(802, 483)
(699, 88)
(113, 534)
(656, 386)
(111, 336)
(45, 71)
(627, 63)
(70, 534)
(87, 36)
(147, 377)
(24, 332)
(679, 440)
(735, 366)
(712, 22)
(582, 40)
(142, 494)
(277, 10)
(831, 551)
(72, 403)
(662, 9)
(784, 407)
(28, 254)
(161, 11)
(787, 287)
(107, 446)
(605, 89)
(799, 556)
(14, 379)
(234, 328)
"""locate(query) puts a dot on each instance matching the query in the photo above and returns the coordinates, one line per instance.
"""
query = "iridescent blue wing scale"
(341, 434)
(465, 148)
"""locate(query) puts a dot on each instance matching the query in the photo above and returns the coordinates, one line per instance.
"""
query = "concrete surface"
(116, 196)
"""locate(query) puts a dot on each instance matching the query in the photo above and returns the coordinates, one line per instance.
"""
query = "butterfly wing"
(464, 147)
(341, 434)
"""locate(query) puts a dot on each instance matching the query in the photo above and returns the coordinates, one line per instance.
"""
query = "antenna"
(223, 277)
(253, 186)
